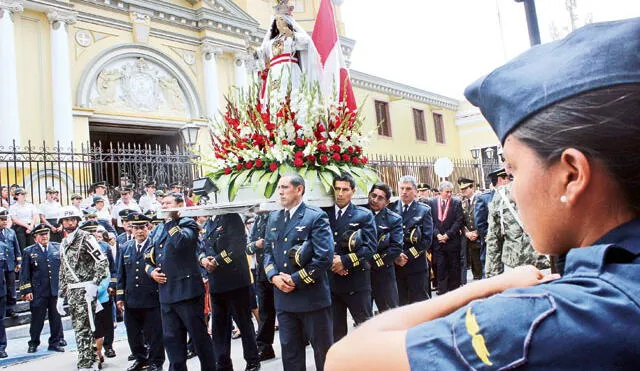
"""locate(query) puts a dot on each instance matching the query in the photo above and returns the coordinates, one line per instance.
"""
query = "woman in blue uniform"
(568, 116)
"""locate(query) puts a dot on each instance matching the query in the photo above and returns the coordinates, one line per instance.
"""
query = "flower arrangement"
(257, 144)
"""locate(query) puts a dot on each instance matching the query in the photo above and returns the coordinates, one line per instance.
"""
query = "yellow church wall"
(33, 53)
(477, 135)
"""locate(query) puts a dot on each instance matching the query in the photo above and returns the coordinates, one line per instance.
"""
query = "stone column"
(9, 109)
(240, 67)
(211, 86)
(63, 130)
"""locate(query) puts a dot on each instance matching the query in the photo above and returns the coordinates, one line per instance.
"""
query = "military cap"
(150, 213)
(97, 198)
(160, 193)
(465, 183)
(156, 219)
(423, 187)
(68, 212)
(350, 240)
(150, 184)
(19, 191)
(300, 255)
(52, 190)
(124, 213)
(90, 212)
(135, 218)
(497, 173)
(41, 229)
(99, 184)
(126, 189)
(177, 185)
(76, 196)
(4, 213)
(89, 226)
(595, 56)
(413, 236)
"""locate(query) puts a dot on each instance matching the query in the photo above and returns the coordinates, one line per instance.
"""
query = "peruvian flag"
(334, 76)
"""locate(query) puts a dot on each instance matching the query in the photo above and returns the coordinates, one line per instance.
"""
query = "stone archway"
(138, 79)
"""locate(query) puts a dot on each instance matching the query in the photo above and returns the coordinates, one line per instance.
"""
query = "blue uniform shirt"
(40, 271)
(588, 319)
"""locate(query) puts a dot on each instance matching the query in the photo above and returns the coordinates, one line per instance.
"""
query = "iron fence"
(73, 169)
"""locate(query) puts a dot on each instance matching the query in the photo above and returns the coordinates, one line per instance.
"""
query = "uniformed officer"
(172, 262)
(96, 189)
(302, 295)
(148, 200)
(126, 202)
(39, 280)
(222, 254)
(13, 259)
(384, 289)
(3, 299)
(264, 289)
(354, 235)
(424, 192)
(137, 295)
(49, 211)
(471, 235)
(417, 223)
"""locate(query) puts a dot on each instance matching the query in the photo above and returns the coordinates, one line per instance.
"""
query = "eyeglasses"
(375, 197)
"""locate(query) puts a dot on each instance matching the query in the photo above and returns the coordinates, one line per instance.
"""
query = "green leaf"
(303, 171)
(237, 183)
(270, 189)
(334, 169)
(312, 175)
(327, 180)
(255, 177)
(263, 183)
(285, 169)
(357, 171)
(362, 184)
(232, 183)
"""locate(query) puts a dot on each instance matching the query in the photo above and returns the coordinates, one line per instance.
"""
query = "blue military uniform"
(3, 300)
(305, 312)
(481, 216)
(352, 291)
(40, 276)
(13, 257)
(225, 239)
(174, 252)
(384, 289)
(552, 326)
(413, 278)
(139, 293)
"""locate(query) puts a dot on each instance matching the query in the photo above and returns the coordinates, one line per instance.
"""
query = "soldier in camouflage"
(83, 266)
(507, 243)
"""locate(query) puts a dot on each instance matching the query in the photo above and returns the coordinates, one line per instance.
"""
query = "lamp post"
(532, 21)
(190, 134)
(475, 153)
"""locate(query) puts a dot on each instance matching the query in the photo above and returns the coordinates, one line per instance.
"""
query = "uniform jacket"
(312, 283)
(507, 243)
(481, 213)
(12, 254)
(225, 239)
(85, 259)
(3, 263)
(357, 263)
(40, 272)
(417, 214)
(389, 224)
(258, 232)
(121, 240)
(134, 287)
(451, 225)
(113, 268)
(175, 252)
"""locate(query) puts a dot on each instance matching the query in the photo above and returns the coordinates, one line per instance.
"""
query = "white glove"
(60, 307)
(91, 290)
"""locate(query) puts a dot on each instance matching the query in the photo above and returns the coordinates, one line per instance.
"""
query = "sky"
(443, 45)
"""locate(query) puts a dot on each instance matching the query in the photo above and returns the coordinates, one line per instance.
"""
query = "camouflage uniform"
(507, 243)
(473, 247)
(87, 263)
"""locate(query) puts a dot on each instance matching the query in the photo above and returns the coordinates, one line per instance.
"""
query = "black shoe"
(109, 353)
(11, 313)
(190, 354)
(3, 354)
(56, 348)
(252, 367)
(265, 355)
(131, 357)
(62, 343)
(154, 368)
(138, 365)
(32, 349)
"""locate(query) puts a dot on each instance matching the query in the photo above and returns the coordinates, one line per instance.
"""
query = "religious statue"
(107, 85)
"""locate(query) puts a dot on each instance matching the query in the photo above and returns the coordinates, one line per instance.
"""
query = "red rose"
(346, 157)
(324, 159)
(321, 128)
(265, 117)
(273, 166)
(350, 149)
(248, 165)
(364, 160)
(259, 163)
(239, 167)
(298, 162)
(296, 125)
(336, 148)
(285, 142)
(355, 161)
(300, 142)
(271, 127)
(322, 147)
(336, 157)
(299, 154)
(227, 171)
(311, 159)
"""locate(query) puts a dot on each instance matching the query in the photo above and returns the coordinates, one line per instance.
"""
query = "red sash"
(442, 214)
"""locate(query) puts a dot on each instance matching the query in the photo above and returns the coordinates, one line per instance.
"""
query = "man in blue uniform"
(13, 258)
(264, 290)
(354, 236)
(39, 280)
(302, 296)
(481, 209)
(137, 294)
(3, 298)
(412, 273)
(172, 262)
(223, 256)
(389, 246)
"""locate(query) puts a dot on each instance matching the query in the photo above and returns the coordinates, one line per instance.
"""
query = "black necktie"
(404, 211)
(44, 248)
(444, 204)
(339, 214)
(287, 216)
(138, 248)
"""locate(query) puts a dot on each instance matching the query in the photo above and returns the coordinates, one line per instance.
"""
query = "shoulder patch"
(497, 332)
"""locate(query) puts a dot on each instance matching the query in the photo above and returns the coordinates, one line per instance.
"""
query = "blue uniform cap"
(595, 56)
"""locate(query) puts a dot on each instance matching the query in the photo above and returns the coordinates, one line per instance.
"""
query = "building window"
(418, 124)
(382, 115)
(438, 124)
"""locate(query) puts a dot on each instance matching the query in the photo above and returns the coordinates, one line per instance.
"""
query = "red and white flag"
(334, 76)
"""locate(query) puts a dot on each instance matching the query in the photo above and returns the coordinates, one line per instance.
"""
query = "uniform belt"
(88, 300)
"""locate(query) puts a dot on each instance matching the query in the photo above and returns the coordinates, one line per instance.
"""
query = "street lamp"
(532, 21)
(489, 153)
(190, 134)
(475, 153)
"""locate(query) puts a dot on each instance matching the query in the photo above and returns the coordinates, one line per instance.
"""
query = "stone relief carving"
(137, 85)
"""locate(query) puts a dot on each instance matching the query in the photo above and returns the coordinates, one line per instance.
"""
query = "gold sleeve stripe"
(268, 268)
(25, 286)
(224, 253)
(174, 230)
(120, 292)
(414, 252)
(227, 260)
